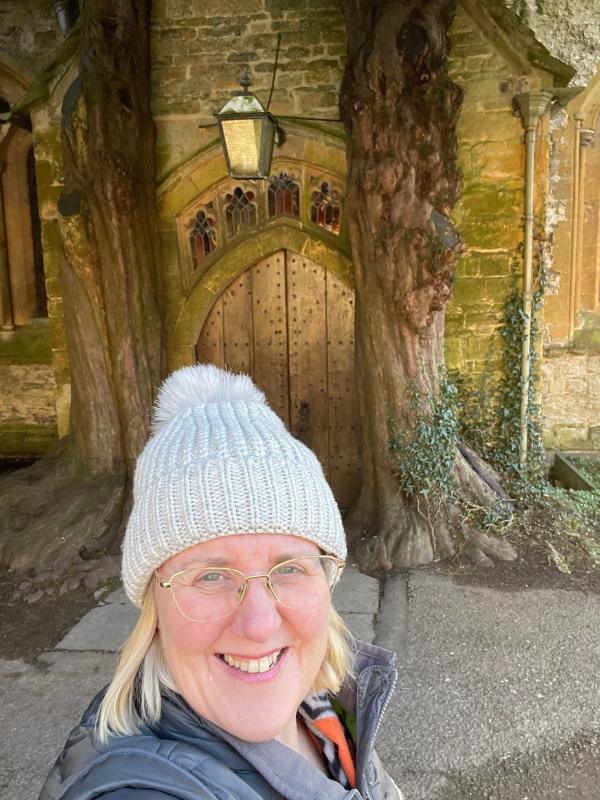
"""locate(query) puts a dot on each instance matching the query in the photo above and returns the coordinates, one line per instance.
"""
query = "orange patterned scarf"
(330, 737)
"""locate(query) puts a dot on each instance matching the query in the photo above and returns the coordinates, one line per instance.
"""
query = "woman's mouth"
(255, 665)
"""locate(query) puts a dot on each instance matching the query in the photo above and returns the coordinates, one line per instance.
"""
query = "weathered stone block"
(492, 266)
(28, 394)
(30, 344)
(23, 440)
(297, 52)
(308, 99)
(576, 385)
(480, 348)
(486, 201)
(571, 437)
(491, 126)
(504, 234)
(285, 5)
(29, 35)
(454, 354)
(477, 290)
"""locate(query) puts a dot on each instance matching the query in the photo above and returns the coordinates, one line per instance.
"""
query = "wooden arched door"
(289, 323)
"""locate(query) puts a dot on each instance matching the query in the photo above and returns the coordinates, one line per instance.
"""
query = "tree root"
(412, 533)
(482, 548)
(52, 519)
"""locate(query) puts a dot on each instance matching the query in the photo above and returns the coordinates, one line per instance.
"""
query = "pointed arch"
(184, 333)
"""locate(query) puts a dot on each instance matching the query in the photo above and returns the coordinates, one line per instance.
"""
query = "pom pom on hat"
(201, 383)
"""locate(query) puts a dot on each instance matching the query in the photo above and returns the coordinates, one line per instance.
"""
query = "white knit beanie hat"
(221, 462)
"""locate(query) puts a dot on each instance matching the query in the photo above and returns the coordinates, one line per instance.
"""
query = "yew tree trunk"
(110, 275)
(76, 505)
(400, 110)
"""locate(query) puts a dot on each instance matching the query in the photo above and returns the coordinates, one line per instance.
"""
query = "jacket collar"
(366, 657)
(365, 694)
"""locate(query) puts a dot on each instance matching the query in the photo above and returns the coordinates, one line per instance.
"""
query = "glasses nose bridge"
(267, 579)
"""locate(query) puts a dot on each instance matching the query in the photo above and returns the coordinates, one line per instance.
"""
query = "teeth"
(254, 665)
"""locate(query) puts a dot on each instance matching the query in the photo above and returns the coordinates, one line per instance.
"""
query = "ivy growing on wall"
(490, 407)
(484, 413)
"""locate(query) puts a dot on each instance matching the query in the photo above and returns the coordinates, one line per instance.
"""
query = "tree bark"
(76, 504)
(110, 271)
(400, 109)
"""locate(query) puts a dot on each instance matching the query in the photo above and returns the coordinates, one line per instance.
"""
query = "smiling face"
(247, 672)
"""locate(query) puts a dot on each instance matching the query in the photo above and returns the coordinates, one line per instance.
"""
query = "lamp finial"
(245, 79)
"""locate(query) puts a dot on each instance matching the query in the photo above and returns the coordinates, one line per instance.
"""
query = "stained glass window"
(325, 208)
(283, 196)
(203, 236)
(240, 211)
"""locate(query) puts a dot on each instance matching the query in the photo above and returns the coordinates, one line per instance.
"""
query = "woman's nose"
(258, 616)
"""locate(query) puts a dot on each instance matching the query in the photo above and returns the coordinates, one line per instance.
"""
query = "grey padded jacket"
(185, 757)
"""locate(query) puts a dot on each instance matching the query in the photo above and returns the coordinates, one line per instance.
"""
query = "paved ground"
(498, 693)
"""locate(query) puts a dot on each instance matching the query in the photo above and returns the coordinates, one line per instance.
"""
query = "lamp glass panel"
(243, 142)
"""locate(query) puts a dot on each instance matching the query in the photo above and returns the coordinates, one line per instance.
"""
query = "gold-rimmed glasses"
(206, 593)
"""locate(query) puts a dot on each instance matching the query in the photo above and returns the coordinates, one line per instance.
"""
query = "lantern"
(247, 133)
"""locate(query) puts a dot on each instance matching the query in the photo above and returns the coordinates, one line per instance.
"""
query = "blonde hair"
(133, 697)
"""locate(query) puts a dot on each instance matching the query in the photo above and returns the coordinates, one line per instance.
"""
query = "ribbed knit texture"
(221, 462)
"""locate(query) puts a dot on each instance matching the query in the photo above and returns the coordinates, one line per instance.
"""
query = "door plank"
(237, 324)
(344, 469)
(209, 348)
(306, 302)
(270, 332)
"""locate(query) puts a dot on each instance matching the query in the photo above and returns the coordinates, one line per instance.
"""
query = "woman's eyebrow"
(290, 556)
(205, 562)
(225, 562)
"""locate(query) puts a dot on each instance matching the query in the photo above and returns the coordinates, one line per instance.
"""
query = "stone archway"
(289, 323)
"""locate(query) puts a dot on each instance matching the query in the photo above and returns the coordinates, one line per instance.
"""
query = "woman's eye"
(287, 569)
(210, 577)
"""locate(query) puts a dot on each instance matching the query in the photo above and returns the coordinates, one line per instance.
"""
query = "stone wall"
(571, 400)
(489, 213)
(27, 409)
(198, 51)
(571, 314)
(28, 392)
(29, 33)
(29, 37)
(570, 29)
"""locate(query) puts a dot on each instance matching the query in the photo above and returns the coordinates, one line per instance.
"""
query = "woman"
(239, 681)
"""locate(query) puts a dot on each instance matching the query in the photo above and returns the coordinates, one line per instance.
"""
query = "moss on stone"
(25, 441)
(30, 344)
(588, 337)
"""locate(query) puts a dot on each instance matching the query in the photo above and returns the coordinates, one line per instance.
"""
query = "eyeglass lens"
(208, 593)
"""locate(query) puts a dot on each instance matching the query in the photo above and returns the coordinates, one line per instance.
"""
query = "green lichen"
(588, 336)
(29, 344)
(25, 441)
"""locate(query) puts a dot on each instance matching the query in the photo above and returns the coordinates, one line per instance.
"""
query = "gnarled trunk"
(400, 110)
(109, 284)
(109, 277)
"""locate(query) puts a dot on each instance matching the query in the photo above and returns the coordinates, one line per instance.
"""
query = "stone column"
(6, 321)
